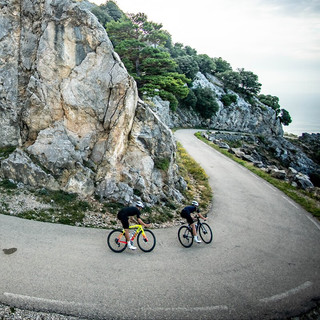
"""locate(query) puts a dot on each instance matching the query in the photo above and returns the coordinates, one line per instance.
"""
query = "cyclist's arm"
(201, 216)
(142, 223)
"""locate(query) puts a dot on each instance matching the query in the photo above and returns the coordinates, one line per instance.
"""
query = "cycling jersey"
(125, 213)
(185, 213)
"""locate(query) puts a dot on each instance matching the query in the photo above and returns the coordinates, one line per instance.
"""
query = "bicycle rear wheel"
(148, 242)
(117, 240)
(205, 232)
(185, 236)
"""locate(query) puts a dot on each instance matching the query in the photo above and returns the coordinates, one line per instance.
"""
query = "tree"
(140, 44)
(249, 84)
(231, 79)
(102, 15)
(271, 101)
(221, 65)
(206, 105)
(206, 64)
(190, 101)
(241, 81)
(188, 66)
(285, 117)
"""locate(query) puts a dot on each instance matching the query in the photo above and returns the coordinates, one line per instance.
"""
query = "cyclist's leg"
(125, 224)
(187, 216)
(194, 231)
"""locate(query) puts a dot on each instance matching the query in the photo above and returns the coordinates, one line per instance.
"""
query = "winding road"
(264, 262)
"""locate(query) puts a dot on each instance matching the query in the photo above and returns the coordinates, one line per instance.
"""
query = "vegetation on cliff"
(161, 67)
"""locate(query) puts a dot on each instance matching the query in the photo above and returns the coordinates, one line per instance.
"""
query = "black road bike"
(203, 229)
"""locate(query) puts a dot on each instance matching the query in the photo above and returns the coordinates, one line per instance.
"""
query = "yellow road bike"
(145, 238)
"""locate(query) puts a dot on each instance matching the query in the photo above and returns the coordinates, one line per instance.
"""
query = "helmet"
(139, 204)
(195, 203)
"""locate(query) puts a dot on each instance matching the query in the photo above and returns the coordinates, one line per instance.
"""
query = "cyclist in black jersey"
(123, 216)
(186, 213)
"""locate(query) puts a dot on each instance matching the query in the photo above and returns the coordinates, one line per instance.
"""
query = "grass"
(303, 198)
(6, 151)
(65, 208)
(198, 187)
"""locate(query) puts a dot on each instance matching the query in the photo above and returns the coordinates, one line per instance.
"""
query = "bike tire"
(113, 242)
(146, 244)
(185, 236)
(205, 233)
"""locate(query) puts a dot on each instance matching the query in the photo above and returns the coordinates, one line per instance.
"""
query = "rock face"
(239, 116)
(69, 105)
(269, 153)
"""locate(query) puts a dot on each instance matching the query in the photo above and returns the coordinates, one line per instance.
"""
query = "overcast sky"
(278, 40)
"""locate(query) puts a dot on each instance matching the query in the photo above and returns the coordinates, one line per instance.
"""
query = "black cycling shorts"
(124, 220)
(187, 215)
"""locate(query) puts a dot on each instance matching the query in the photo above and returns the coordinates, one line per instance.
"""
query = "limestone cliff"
(240, 116)
(69, 105)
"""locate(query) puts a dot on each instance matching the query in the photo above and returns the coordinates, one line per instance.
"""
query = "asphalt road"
(264, 262)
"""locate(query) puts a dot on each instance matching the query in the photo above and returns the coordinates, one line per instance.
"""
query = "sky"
(278, 40)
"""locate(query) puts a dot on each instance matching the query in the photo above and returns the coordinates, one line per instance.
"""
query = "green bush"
(228, 99)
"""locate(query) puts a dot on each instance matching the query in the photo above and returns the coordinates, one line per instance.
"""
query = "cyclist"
(186, 213)
(123, 216)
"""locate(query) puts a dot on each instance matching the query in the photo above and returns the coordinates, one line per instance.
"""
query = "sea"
(297, 127)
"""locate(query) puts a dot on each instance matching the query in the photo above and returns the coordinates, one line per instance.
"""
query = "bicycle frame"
(138, 228)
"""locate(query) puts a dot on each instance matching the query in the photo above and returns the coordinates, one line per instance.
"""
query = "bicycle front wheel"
(185, 236)
(148, 242)
(117, 240)
(205, 232)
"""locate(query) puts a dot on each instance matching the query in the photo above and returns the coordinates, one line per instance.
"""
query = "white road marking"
(288, 293)
(270, 186)
(209, 308)
(43, 300)
(290, 202)
(314, 222)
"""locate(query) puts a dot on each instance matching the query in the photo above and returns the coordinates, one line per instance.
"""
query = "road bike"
(145, 238)
(203, 229)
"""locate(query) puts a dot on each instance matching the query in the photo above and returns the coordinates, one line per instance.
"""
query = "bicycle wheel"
(205, 232)
(117, 240)
(147, 243)
(185, 236)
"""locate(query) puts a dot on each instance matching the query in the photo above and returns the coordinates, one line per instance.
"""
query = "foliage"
(228, 99)
(162, 163)
(6, 151)
(8, 184)
(196, 178)
(249, 82)
(285, 117)
(190, 101)
(221, 65)
(271, 101)
(140, 44)
(206, 103)
(206, 64)
(113, 10)
(161, 67)
(188, 66)
(107, 12)
(241, 81)
(102, 15)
